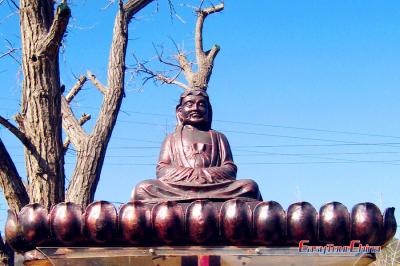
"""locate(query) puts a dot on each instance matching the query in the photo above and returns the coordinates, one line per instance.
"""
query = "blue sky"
(307, 93)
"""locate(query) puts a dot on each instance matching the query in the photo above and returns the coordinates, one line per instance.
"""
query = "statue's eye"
(188, 104)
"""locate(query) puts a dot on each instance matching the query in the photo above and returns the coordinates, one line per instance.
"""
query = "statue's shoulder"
(219, 134)
(170, 135)
(168, 138)
(213, 131)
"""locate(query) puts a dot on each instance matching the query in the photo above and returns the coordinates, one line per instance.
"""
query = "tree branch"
(165, 62)
(83, 182)
(13, 188)
(18, 133)
(212, 9)
(71, 126)
(186, 66)
(205, 60)
(199, 37)
(213, 53)
(84, 118)
(201, 15)
(27, 142)
(131, 7)
(172, 81)
(160, 77)
(116, 68)
(51, 42)
(96, 82)
(75, 89)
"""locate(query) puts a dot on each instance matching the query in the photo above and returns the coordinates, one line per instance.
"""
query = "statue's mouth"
(195, 115)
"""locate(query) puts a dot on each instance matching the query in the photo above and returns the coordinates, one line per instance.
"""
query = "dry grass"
(390, 255)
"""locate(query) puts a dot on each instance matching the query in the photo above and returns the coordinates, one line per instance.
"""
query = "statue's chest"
(197, 148)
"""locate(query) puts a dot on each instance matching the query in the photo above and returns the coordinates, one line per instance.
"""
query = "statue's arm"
(228, 169)
(168, 172)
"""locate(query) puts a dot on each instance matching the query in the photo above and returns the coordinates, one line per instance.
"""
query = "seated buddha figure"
(195, 161)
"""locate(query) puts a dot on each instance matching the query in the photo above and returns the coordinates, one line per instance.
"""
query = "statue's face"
(194, 110)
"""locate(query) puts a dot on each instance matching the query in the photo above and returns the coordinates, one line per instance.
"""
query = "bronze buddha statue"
(195, 161)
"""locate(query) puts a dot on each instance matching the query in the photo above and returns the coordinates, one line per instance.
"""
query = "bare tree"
(204, 59)
(45, 111)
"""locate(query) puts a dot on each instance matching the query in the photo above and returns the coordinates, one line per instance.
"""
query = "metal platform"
(190, 256)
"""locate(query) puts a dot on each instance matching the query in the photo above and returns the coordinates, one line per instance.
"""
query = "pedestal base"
(190, 256)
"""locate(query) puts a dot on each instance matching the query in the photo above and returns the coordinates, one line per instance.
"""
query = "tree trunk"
(91, 149)
(87, 172)
(40, 121)
(40, 117)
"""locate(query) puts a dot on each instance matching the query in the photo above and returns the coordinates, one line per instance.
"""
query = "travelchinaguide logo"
(354, 247)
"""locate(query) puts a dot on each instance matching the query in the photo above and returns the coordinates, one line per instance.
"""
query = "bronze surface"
(367, 223)
(14, 235)
(269, 223)
(301, 222)
(204, 222)
(390, 226)
(195, 161)
(134, 222)
(334, 223)
(100, 222)
(168, 222)
(34, 222)
(235, 221)
(66, 223)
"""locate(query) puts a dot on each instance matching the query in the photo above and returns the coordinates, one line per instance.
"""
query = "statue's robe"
(196, 171)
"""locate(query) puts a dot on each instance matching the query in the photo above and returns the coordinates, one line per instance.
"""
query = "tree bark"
(44, 110)
(13, 189)
(40, 116)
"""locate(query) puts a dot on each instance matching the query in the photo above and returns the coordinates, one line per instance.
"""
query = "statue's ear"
(179, 116)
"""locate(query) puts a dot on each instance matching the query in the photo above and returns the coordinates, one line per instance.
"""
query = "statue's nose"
(194, 107)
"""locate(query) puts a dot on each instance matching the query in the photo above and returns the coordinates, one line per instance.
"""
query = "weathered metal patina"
(195, 161)
(202, 222)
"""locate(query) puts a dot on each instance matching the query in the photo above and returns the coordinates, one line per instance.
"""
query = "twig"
(11, 50)
(205, 60)
(13, 3)
(84, 118)
(110, 2)
(172, 10)
(96, 82)
(71, 125)
(142, 68)
(75, 89)
(162, 60)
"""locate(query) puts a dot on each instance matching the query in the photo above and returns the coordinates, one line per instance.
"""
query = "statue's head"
(194, 109)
